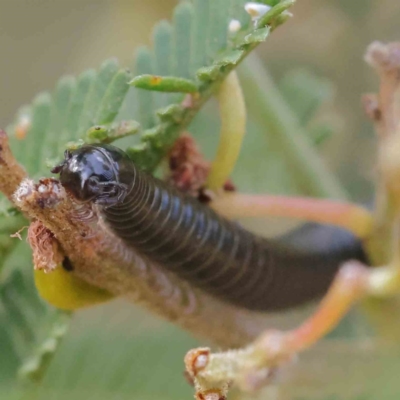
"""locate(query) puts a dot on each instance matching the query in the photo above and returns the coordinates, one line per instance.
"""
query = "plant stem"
(282, 128)
(350, 216)
(233, 127)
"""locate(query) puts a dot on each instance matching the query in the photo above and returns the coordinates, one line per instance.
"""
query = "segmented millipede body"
(194, 242)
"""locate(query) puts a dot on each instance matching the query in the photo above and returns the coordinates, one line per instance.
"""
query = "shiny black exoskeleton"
(191, 240)
(98, 173)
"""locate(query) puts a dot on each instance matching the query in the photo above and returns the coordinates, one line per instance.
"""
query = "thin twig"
(352, 217)
(11, 173)
(250, 367)
(102, 259)
(384, 110)
(253, 366)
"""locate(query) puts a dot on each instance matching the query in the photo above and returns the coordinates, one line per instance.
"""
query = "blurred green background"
(120, 352)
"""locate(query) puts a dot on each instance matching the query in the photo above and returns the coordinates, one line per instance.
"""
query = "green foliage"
(132, 356)
(291, 162)
(186, 56)
(94, 98)
(306, 94)
(109, 133)
(27, 325)
(195, 52)
(169, 84)
(66, 114)
(29, 328)
(279, 153)
(202, 51)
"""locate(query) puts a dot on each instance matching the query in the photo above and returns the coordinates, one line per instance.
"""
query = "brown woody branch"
(383, 108)
(252, 366)
(11, 173)
(102, 259)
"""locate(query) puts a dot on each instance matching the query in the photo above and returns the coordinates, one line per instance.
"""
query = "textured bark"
(103, 260)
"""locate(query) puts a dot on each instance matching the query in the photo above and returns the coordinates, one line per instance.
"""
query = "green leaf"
(208, 74)
(40, 123)
(218, 28)
(35, 366)
(258, 36)
(158, 83)
(183, 20)
(27, 324)
(197, 44)
(104, 77)
(145, 99)
(134, 355)
(201, 49)
(85, 82)
(62, 98)
(320, 133)
(31, 329)
(274, 13)
(199, 55)
(230, 57)
(162, 38)
(109, 133)
(113, 98)
(95, 98)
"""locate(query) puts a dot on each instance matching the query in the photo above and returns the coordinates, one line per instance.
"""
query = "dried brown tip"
(46, 250)
(47, 193)
(188, 169)
(11, 173)
(196, 360)
(211, 394)
(384, 109)
(383, 57)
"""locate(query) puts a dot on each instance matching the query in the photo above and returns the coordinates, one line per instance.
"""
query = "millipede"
(188, 238)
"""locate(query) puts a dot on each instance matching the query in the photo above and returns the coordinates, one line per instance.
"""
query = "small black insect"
(191, 240)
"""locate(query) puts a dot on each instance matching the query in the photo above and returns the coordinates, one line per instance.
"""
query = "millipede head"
(98, 173)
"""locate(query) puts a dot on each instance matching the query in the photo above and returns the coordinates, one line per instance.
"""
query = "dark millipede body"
(191, 240)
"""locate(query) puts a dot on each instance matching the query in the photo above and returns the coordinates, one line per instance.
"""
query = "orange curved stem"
(352, 217)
